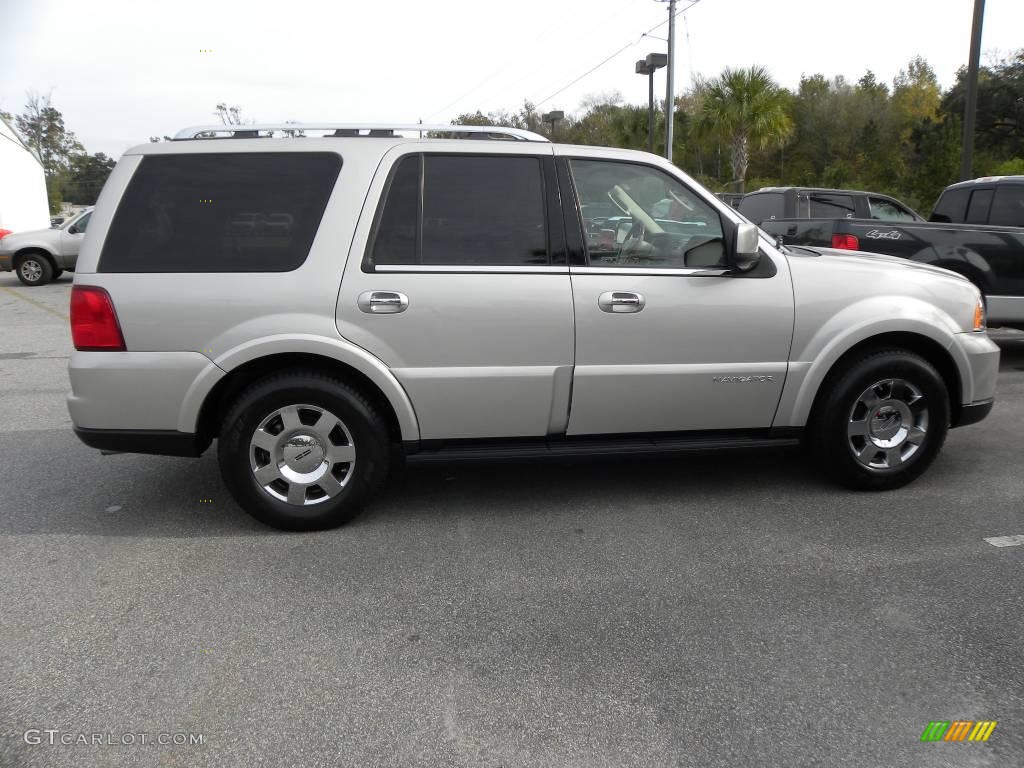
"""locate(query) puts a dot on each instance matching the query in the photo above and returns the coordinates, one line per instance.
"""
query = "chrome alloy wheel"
(302, 454)
(888, 424)
(31, 270)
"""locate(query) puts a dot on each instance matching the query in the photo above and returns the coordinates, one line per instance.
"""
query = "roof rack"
(344, 130)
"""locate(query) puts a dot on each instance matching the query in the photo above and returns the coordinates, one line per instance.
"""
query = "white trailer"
(23, 203)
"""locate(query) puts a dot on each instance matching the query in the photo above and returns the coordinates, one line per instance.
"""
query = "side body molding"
(336, 349)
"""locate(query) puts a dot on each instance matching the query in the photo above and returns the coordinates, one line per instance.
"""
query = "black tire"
(33, 269)
(840, 412)
(57, 273)
(362, 427)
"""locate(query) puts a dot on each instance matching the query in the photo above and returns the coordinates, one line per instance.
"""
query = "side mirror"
(745, 254)
(73, 229)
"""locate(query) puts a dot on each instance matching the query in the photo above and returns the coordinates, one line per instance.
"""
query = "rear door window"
(887, 210)
(230, 212)
(952, 205)
(977, 210)
(1008, 206)
(761, 206)
(829, 206)
(463, 211)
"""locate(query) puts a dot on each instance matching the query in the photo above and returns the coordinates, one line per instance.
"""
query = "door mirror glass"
(746, 254)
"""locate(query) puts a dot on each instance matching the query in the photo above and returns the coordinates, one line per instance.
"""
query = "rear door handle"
(382, 302)
(620, 301)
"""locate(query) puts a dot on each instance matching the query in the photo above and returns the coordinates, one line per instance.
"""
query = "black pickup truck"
(991, 257)
(996, 200)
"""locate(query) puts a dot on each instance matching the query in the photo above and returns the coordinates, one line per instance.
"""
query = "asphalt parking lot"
(723, 610)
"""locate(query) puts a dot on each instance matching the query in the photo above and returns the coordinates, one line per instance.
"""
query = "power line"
(565, 87)
(623, 48)
(599, 22)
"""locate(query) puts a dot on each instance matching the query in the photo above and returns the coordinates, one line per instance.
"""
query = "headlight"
(979, 316)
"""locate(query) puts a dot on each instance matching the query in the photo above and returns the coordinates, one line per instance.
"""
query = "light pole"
(971, 94)
(552, 117)
(649, 66)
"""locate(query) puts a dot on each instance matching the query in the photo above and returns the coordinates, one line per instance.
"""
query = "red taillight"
(94, 325)
(846, 242)
(4, 233)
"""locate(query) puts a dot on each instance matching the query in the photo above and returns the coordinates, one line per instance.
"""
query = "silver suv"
(328, 303)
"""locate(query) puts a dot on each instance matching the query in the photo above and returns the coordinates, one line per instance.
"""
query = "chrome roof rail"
(341, 130)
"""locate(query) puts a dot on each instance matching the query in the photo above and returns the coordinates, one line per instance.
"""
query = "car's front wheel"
(881, 420)
(34, 269)
(303, 451)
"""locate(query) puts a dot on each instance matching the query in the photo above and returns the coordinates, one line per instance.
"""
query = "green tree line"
(72, 174)
(741, 130)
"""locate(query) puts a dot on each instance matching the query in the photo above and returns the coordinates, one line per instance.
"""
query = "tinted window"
(761, 206)
(483, 211)
(397, 227)
(977, 210)
(1008, 206)
(657, 221)
(476, 211)
(83, 223)
(827, 206)
(952, 205)
(237, 212)
(887, 210)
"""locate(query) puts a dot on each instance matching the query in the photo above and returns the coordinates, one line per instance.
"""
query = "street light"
(552, 117)
(649, 66)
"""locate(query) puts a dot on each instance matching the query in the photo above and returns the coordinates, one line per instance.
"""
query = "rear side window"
(232, 212)
(977, 210)
(463, 211)
(762, 206)
(952, 205)
(1008, 206)
(828, 206)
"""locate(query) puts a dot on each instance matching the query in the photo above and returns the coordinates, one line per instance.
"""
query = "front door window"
(636, 215)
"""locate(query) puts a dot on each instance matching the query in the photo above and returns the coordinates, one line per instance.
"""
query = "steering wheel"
(627, 204)
(635, 249)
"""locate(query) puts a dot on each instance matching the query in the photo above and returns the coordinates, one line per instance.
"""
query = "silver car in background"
(41, 255)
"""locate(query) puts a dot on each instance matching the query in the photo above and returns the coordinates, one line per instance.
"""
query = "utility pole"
(670, 88)
(971, 94)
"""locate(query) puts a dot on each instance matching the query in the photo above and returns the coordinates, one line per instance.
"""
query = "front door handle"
(620, 301)
(382, 302)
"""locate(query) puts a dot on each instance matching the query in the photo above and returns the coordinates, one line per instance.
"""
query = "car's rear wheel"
(303, 451)
(34, 269)
(881, 420)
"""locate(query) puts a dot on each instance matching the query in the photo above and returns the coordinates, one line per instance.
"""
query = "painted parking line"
(1006, 541)
(43, 307)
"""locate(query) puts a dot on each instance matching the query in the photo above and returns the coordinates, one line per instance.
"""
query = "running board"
(490, 450)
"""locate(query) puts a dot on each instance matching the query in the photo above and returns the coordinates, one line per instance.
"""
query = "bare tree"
(230, 115)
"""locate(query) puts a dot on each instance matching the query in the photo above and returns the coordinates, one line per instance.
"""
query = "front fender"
(812, 360)
(335, 349)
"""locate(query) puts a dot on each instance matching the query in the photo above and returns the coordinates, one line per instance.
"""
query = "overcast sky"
(123, 71)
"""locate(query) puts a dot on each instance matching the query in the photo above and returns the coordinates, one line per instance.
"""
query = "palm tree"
(744, 107)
